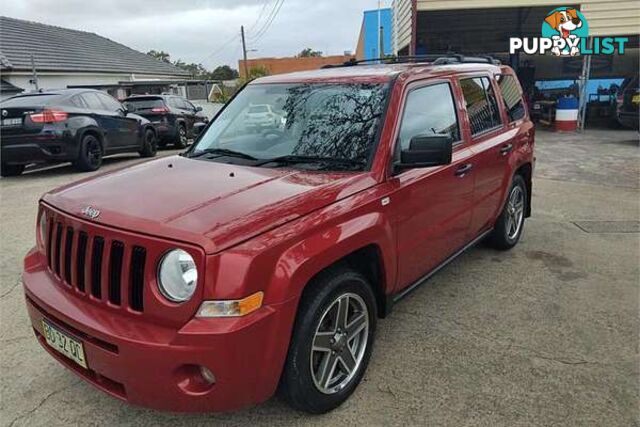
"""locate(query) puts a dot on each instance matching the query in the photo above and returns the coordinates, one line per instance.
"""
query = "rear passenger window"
(512, 97)
(92, 101)
(429, 111)
(482, 107)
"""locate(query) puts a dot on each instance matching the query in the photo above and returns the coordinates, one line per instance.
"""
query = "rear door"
(432, 206)
(492, 141)
(126, 126)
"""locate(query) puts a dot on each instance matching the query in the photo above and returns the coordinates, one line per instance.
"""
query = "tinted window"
(77, 101)
(338, 121)
(109, 102)
(512, 97)
(30, 101)
(429, 111)
(143, 104)
(482, 107)
(92, 101)
(175, 103)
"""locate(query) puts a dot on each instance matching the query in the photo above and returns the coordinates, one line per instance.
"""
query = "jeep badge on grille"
(90, 212)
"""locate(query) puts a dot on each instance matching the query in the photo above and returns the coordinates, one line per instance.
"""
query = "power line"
(233, 39)
(264, 7)
(274, 13)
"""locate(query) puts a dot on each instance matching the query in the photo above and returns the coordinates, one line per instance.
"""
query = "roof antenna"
(34, 80)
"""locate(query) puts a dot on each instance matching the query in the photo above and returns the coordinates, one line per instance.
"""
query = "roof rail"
(436, 59)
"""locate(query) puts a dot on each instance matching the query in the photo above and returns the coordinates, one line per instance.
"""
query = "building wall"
(288, 65)
(368, 45)
(606, 17)
(60, 80)
(402, 18)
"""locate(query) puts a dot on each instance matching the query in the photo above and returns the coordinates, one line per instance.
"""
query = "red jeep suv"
(262, 257)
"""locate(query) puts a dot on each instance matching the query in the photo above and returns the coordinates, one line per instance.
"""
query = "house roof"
(63, 49)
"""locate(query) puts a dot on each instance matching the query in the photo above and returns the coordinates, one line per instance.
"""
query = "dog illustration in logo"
(564, 22)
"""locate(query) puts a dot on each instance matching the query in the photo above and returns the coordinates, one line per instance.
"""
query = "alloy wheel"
(339, 343)
(515, 212)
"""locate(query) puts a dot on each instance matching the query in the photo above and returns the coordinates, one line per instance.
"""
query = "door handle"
(506, 149)
(463, 169)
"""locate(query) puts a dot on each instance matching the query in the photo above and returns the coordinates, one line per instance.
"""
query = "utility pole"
(244, 53)
(34, 80)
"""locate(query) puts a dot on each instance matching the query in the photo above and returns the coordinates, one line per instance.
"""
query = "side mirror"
(124, 111)
(198, 108)
(425, 151)
(198, 128)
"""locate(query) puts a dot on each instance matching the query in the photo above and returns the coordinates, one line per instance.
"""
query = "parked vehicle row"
(172, 116)
(269, 266)
(83, 126)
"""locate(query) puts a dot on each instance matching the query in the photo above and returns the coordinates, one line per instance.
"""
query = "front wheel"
(510, 223)
(331, 343)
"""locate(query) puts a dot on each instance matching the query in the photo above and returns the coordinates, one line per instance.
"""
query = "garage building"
(485, 26)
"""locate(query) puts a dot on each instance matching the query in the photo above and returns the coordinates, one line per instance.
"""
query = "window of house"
(429, 110)
(482, 106)
(512, 97)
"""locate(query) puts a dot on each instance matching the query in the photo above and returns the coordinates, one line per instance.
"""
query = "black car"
(77, 125)
(173, 116)
(628, 102)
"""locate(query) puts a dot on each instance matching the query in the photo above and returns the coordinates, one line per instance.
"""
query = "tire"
(149, 144)
(510, 223)
(303, 384)
(90, 156)
(181, 137)
(11, 170)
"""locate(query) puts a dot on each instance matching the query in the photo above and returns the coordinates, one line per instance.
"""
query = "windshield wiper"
(224, 152)
(292, 159)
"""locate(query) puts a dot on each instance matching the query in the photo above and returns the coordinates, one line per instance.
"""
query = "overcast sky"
(207, 31)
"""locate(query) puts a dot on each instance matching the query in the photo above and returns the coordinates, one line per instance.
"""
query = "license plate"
(536, 106)
(12, 122)
(635, 99)
(64, 344)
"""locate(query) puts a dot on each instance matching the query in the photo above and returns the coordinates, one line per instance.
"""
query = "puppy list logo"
(565, 32)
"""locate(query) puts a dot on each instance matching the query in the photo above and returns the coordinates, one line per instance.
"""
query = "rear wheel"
(510, 223)
(11, 170)
(149, 144)
(90, 157)
(331, 343)
(181, 138)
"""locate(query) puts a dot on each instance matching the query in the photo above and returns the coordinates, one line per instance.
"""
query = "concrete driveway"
(546, 334)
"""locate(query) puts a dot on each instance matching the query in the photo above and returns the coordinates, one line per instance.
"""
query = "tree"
(160, 55)
(309, 53)
(224, 72)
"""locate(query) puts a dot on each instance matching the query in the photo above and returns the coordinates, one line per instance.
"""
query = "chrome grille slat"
(68, 244)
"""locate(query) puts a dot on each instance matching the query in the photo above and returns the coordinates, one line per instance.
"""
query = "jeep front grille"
(113, 264)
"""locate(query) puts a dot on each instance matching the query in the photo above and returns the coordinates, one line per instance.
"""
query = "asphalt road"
(546, 334)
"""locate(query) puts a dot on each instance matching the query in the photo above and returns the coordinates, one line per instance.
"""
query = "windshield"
(317, 121)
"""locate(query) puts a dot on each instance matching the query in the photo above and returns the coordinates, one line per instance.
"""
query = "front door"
(432, 206)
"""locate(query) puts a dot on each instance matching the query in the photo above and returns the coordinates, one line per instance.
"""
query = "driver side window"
(429, 110)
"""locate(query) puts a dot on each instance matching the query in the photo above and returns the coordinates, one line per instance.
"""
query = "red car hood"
(211, 204)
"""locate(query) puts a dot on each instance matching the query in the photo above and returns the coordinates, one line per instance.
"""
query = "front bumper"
(157, 366)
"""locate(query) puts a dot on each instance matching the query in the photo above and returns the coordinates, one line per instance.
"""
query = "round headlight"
(177, 276)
